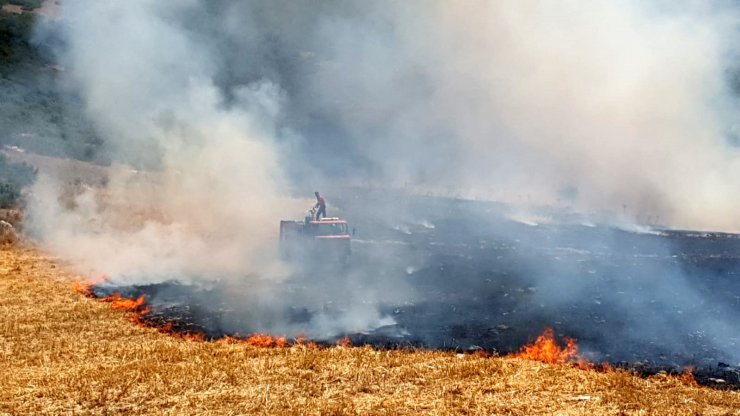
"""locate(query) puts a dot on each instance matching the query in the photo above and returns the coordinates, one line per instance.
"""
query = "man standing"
(321, 205)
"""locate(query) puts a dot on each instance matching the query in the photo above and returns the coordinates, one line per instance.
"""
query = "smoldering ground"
(616, 111)
(649, 301)
(482, 279)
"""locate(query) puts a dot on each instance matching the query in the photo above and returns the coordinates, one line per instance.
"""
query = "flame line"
(545, 349)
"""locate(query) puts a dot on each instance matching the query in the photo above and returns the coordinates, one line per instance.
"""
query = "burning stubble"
(620, 111)
(202, 203)
(214, 197)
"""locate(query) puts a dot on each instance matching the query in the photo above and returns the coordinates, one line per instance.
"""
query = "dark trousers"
(321, 212)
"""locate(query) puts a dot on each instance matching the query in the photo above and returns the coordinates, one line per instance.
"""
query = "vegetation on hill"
(13, 177)
(37, 113)
(27, 5)
(15, 36)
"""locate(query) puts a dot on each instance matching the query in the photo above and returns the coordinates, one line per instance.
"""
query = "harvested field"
(66, 354)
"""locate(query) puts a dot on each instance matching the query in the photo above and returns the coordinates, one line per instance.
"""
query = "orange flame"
(166, 328)
(194, 337)
(480, 352)
(260, 340)
(124, 304)
(546, 350)
(139, 308)
(344, 342)
(256, 340)
(228, 340)
(280, 342)
(138, 321)
(301, 340)
(83, 288)
(266, 341)
(687, 377)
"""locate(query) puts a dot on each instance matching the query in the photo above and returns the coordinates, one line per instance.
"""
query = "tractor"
(324, 241)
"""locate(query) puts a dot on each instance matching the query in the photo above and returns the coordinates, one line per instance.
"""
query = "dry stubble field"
(62, 353)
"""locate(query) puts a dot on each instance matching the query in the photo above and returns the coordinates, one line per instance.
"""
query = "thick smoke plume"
(621, 107)
(218, 108)
(201, 191)
(607, 106)
(211, 199)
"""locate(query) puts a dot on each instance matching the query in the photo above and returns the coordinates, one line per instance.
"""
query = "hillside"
(39, 112)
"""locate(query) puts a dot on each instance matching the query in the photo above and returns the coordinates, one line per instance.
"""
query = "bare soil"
(12, 8)
(50, 9)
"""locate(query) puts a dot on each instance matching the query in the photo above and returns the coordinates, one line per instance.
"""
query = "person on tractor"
(321, 205)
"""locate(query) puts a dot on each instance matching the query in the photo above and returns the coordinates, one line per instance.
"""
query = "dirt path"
(12, 8)
(50, 9)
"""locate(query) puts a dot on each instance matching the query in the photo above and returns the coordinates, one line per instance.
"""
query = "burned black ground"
(464, 275)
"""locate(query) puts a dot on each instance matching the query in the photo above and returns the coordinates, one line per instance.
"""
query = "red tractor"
(326, 241)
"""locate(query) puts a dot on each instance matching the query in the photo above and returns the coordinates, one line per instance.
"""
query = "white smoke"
(211, 207)
(205, 191)
(626, 103)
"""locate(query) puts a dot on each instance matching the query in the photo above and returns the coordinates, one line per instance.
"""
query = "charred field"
(449, 274)
(63, 353)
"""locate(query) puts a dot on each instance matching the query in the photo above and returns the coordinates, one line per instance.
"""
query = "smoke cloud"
(214, 193)
(622, 107)
(216, 110)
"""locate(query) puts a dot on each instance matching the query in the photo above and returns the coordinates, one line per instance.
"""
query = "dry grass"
(62, 353)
